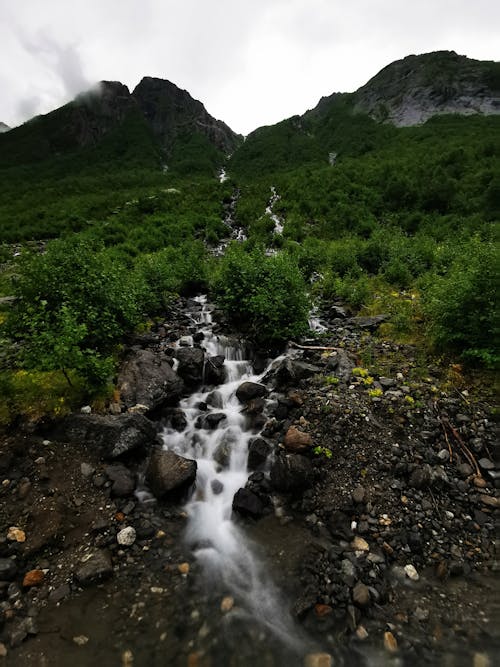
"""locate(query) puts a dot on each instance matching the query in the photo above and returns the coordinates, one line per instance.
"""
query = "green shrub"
(265, 297)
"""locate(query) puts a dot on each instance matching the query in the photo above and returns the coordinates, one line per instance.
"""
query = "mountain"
(4, 128)
(150, 125)
(411, 90)
(406, 93)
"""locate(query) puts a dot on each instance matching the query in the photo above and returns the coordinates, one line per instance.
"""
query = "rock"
(213, 419)
(87, 470)
(215, 372)
(318, 660)
(361, 595)
(359, 544)
(15, 534)
(86, 410)
(290, 371)
(297, 441)
(111, 436)
(215, 399)
(8, 569)
(97, 568)
(183, 568)
(486, 464)
(80, 640)
(217, 487)
(368, 322)
(148, 379)
(222, 454)
(33, 578)
(178, 420)
(420, 477)
(390, 642)
(126, 537)
(123, 480)
(247, 503)
(191, 362)
(411, 572)
(358, 495)
(226, 604)
(387, 383)
(291, 473)
(167, 473)
(258, 451)
(490, 501)
(3, 650)
(249, 390)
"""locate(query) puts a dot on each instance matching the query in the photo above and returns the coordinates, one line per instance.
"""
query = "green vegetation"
(404, 222)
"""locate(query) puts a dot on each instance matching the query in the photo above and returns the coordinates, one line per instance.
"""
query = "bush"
(461, 305)
(265, 297)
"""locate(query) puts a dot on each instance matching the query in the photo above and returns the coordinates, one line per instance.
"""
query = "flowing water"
(227, 557)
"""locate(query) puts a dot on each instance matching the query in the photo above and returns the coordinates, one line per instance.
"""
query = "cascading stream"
(218, 543)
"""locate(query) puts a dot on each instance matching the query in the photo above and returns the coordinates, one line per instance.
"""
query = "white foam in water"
(221, 455)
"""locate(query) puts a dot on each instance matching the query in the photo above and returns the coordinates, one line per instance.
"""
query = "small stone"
(183, 568)
(358, 495)
(481, 660)
(3, 650)
(15, 534)
(126, 536)
(95, 569)
(322, 610)
(480, 482)
(87, 470)
(127, 658)
(486, 464)
(390, 642)
(227, 604)
(359, 544)
(80, 640)
(411, 572)
(318, 660)
(297, 441)
(86, 410)
(33, 578)
(491, 501)
(361, 632)
(361, 595)
(421, 614)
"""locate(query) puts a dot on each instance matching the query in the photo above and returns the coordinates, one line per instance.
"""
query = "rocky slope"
(4, 128)
(411, 90)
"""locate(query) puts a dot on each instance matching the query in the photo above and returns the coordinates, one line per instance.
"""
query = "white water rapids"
(226, 555)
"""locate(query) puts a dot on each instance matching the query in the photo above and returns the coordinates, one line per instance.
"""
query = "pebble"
(361, 594)
(359, 544)
(86, 469)
(15, 534)
(80, 640)
(481, 660)
(86, 410)
(491, 501)
(411, 572)
(183, 568)
(3, 650)
(33, 578)
(126, 536)
(358, 495)
(486, 464)
(390, 642)
(227, 604)
(127, 658)
(361, 632)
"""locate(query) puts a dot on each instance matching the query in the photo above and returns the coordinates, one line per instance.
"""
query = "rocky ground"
(373, 503)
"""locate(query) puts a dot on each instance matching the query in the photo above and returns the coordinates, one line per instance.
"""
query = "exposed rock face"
(169, 474)
(111, 436)
(4, 127)
(148, 379)
(191, 361)
(171, 111)
(410, 91)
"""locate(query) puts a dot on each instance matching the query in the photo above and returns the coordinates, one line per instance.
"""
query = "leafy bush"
(264, 296)
(461, 305)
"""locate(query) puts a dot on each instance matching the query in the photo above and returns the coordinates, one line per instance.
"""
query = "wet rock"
(123, 480)
(318, 660)
(358, 495)
(249, 390)
(96, 569)
(147, 378)
(215, 372)
(420, 477)
(247, 503)
(111, 436)
(258, 451)
(297, 441)
(167, 473)
(290, 371)
(178, 420)
(215, 400)
(217, 487)
(8, 569)
(291, 473)
(213, 420)
(368, 322)
(191, 363)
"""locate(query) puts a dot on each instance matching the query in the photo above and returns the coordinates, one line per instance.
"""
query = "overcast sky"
(251, 62)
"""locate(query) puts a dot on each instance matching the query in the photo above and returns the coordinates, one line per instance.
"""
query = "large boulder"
(147, 378)
(297, 441)
(111, 436)
(291, 473)
(258, 451)
(191, 361)
(169, 474)
(250, 390)
(247, 503)
(290, 371)
(215, 373)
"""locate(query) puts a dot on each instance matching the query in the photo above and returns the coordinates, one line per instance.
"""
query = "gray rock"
(290, 371)
(96, 569)
(147, 379)
(361, 595)
(215, 372)
(486, 464)
(214, 399)
(420, 477)
(126, 536)
(191, 361)
(368, 322)
(169, 474)
(123, 480)
(258, 451)
(358, 495)
(249, 390)
(111, 436)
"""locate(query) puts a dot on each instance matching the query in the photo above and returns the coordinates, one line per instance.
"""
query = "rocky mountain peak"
(411, 90)
(4, 127)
